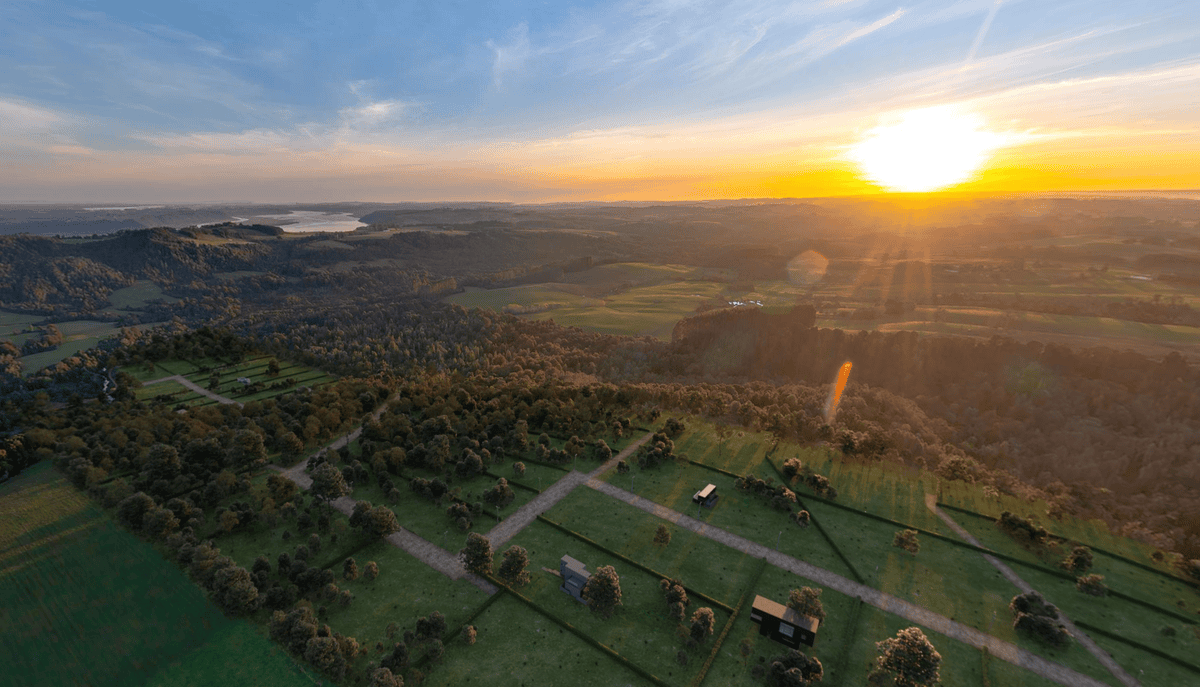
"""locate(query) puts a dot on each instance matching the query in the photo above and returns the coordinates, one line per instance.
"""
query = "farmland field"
(94, 605)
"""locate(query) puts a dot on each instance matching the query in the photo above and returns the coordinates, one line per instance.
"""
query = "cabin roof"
(788, 615)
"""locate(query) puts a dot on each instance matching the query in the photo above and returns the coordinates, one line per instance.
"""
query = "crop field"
(636, 299)
(644, 311)
(237, 654)
(68, 572)
(520, 299)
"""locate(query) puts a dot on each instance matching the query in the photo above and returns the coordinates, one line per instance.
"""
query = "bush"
(1092, 585)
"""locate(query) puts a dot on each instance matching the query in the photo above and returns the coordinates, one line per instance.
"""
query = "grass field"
(947, 579)
(254, 368)
(84, 602)
(702, 564)
(138, 296)
(640, 630)
(673, 485)
(519, 647)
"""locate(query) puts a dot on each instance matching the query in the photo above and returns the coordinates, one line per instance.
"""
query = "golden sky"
(624, 101)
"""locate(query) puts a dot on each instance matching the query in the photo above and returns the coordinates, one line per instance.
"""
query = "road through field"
(194, 387)
(1100, 654)
(883, 601)
(506, 530)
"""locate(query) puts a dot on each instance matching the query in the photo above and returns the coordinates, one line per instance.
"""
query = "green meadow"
(84, 602)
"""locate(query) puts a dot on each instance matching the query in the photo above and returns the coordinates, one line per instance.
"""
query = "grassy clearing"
(1150, 671)
(529, 296)
(1091, 532)
(69, 573)
(170, 389)
(641, 630)
(1163, 591)
(13, 323)
(405, 590)
(519, 647)
(138, 296)
(429, 520)
(944, 578)
(885, 489)
(702, 564)
(833, 636)
(1114, 615)
(673, 485)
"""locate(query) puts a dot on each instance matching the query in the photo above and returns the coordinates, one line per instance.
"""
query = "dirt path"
(194, 387)
(423, 550)
(1101, 655)
(922, 616)
(510, 526)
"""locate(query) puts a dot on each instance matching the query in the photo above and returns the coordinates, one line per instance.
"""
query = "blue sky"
(276, 101)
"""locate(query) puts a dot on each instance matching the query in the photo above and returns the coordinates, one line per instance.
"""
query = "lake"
(300, 221)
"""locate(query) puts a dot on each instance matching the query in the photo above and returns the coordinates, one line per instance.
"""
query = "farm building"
(574, 576)
(783, 624)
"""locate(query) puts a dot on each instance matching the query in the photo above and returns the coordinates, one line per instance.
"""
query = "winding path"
(422, 549)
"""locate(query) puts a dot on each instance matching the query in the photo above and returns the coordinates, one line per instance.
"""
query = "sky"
(314, 100)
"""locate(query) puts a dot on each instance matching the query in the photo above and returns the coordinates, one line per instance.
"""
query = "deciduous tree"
(477, 554)
(328, 484)
(703, 621)
(908, 659)
(603, 591)
(807, 601)
(512, 568)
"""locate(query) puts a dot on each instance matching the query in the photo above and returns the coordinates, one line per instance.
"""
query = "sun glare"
(926, 150)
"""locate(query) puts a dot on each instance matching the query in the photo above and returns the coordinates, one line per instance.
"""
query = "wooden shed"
(782, 624)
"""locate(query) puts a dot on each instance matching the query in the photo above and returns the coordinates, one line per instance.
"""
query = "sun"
(926, 150)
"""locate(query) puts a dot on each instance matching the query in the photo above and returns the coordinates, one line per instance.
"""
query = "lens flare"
(835, 394)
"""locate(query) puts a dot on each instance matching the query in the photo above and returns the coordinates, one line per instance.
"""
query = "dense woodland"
(1098, 432)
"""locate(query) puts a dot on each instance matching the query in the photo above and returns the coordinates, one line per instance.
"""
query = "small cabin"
(574, 576)
(783, 624)
(707, 496)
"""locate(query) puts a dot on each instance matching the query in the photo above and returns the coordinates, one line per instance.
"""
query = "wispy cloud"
(510, 55)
